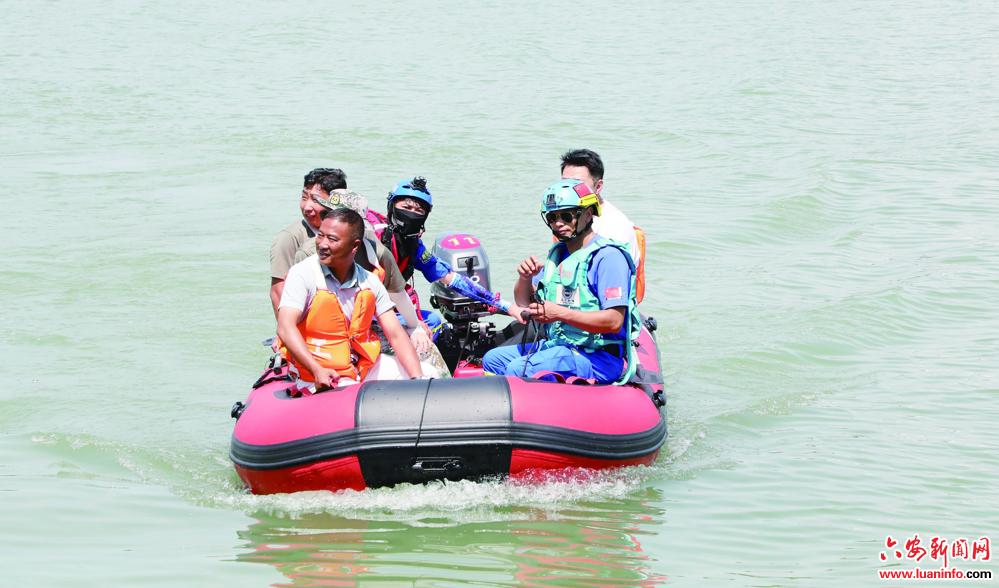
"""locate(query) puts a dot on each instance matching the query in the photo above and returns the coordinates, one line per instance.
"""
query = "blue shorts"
(516, 360)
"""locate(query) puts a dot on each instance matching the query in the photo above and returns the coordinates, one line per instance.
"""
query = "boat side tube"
(420, 430)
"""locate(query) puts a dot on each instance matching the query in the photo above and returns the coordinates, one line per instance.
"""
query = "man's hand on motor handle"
(519, 313)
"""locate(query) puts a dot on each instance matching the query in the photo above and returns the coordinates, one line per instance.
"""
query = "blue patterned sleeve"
(429, 264)
(467, 287)
(433, 269)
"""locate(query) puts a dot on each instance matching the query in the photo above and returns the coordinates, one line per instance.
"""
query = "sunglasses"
(566, 216)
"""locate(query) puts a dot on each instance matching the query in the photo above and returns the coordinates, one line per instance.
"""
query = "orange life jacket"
(640, 271)
(350, 349)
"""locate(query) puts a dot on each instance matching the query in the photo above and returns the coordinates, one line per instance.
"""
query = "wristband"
(501, 304)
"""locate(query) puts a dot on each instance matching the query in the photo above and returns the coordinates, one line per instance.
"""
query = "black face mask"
(405, 223)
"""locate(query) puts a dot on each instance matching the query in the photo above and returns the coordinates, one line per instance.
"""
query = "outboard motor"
(463, 339)
(466, 256)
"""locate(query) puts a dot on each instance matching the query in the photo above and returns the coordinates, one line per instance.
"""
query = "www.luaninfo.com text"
(937, 574)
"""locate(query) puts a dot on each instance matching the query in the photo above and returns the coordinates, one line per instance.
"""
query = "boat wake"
(463, 499)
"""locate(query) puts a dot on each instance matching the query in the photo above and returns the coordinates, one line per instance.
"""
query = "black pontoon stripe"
(515, 435)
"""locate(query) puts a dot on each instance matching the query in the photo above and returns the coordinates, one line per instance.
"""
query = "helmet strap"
(575, 232)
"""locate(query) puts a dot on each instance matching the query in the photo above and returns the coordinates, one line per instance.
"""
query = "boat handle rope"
(274, 372)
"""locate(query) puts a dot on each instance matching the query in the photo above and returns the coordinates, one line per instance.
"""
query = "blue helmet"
(413, 188)
(568, 193)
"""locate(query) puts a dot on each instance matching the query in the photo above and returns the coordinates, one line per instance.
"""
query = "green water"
(819, 186)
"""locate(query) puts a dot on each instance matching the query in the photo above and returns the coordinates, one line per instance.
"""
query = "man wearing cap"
(585, 300)
(327, 307)
(375, 258)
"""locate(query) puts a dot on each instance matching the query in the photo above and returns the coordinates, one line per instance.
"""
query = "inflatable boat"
(471, 426)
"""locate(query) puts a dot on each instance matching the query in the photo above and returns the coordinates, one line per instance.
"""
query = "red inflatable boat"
(381, 433)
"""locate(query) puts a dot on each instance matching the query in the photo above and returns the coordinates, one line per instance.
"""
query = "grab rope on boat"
(274, 372)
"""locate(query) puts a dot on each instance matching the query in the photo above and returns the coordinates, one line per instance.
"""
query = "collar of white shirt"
(352, 281)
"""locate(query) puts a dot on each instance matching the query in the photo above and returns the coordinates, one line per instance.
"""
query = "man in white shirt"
(327, 306)
(586, 166)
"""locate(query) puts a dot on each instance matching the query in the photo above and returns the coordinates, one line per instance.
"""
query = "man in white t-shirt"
(327, 306)
(586, 166)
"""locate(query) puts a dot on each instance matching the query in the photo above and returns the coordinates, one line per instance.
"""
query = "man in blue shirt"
(585, 299)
